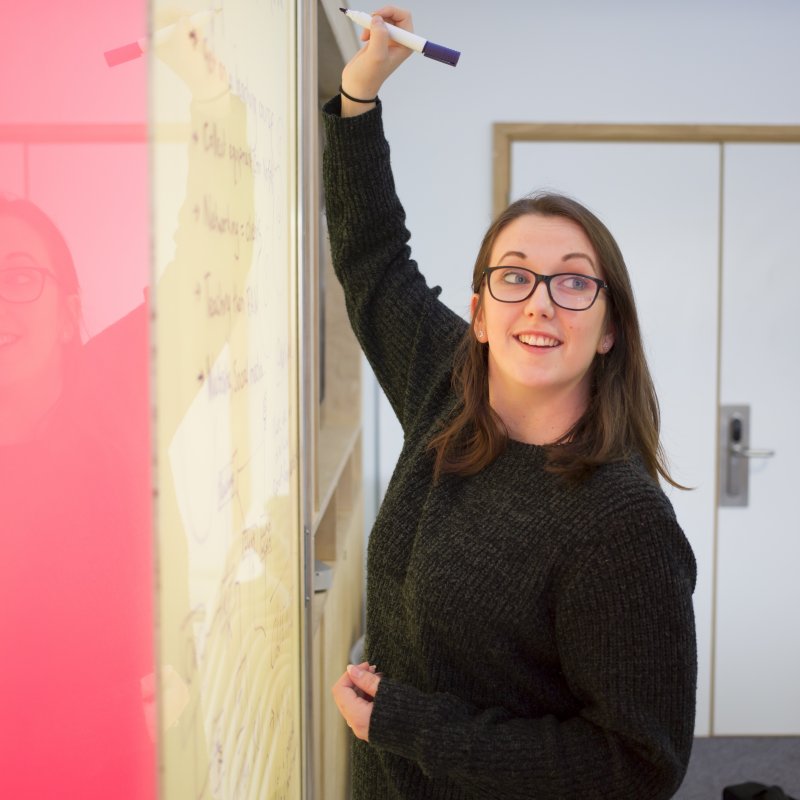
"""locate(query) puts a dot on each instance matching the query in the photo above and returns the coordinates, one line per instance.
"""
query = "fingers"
(400, 17)
(365, 679)
(359, 691)
(351, 701)
(377, 37)
(346, 683)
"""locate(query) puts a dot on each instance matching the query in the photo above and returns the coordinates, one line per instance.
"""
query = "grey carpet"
(722, 761)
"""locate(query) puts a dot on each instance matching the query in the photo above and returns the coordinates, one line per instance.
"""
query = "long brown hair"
(622, 417)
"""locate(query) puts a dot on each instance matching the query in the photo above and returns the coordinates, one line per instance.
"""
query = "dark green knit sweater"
(537, 638)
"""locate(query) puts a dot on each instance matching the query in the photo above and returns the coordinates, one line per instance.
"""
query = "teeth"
(538, 341)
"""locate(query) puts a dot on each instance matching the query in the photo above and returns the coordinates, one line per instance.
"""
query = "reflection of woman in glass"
(39, 319)
(75, 580)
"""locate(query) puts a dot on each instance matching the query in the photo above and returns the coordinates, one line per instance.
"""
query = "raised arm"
(407, 334)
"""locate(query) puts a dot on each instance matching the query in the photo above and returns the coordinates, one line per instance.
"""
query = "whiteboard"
(227, 511)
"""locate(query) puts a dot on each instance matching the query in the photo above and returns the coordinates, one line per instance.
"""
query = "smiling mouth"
(538, 341)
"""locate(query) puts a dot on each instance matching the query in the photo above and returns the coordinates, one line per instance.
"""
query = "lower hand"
(354, 694)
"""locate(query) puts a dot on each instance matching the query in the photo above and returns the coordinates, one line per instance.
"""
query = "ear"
(478, 320)
(606, 342)
(70, 325)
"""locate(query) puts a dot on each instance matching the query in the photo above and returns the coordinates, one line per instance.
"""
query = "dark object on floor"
(754, 791)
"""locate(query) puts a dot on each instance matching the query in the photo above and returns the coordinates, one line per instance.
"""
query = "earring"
(480, 334)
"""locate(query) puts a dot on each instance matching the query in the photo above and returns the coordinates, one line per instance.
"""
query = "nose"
(539, 303)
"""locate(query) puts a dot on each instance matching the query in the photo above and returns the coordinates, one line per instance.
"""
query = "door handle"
(746, 452)
(734, 455)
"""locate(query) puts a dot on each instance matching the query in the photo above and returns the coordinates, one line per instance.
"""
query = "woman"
(75, 580)
(529, 618)
(39, 319)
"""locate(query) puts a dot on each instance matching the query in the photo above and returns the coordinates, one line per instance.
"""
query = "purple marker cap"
(440, 53)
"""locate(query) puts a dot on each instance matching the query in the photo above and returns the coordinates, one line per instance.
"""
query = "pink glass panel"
(76, 586)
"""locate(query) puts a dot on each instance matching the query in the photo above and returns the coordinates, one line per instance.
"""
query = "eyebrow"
(19, 253)
(567, 257)
(570, 256)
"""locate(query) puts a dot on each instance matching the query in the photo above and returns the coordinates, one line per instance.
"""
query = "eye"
(515, 277)
(17, 276)
(574, 283)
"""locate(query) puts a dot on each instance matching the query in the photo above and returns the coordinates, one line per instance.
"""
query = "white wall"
(687, 61)
(707, 61)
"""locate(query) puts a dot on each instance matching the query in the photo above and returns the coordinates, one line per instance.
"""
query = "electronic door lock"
(734, 454)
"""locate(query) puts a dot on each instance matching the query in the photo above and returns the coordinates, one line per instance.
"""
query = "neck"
(24, 408)
(540, 417)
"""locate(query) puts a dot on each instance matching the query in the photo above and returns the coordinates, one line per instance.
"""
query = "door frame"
(506, 134)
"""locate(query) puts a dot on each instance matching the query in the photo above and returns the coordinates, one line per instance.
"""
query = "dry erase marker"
(408, 39)
(119, 55)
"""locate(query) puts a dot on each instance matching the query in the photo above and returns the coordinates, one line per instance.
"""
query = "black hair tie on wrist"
(356, 99)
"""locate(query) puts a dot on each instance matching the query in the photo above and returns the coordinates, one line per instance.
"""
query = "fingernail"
(354, 671)
(377, 20)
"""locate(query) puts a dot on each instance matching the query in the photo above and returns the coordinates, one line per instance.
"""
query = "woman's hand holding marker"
(366, 72)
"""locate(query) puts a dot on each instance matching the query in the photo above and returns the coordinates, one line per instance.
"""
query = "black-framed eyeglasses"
(569, 290)
(23, 284)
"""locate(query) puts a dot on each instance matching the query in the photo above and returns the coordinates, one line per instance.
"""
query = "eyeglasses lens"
(21, 284)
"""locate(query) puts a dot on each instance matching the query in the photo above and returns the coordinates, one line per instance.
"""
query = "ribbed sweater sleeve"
(625, 634)
(393, 312)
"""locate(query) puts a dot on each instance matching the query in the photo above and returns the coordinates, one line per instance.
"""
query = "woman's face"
(32, 333)
(539, 351)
